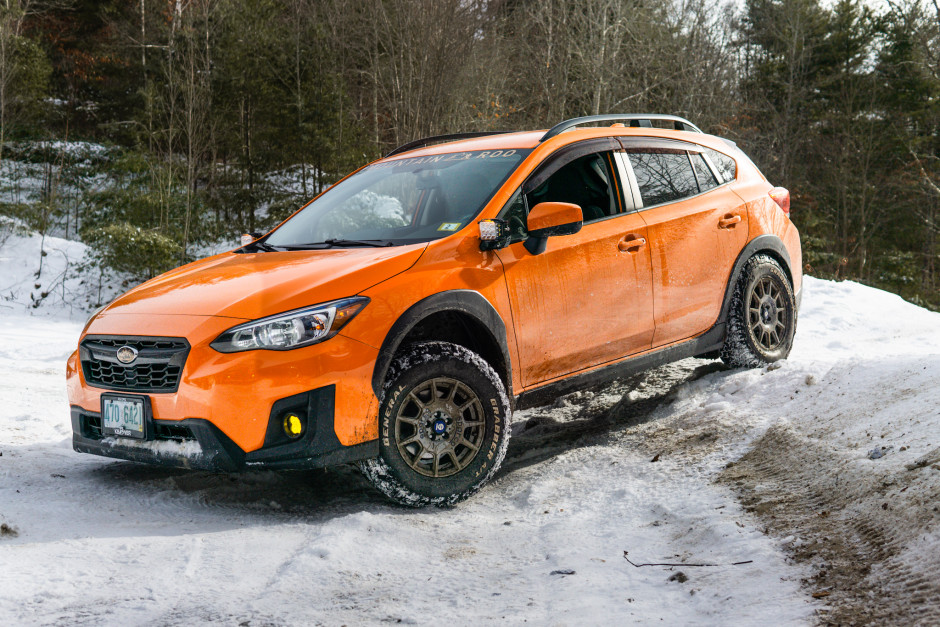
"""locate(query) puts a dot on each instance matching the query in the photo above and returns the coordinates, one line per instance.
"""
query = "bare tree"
(18, 59)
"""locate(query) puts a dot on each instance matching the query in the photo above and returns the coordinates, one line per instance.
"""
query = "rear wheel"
(762, 318)
(444, 426)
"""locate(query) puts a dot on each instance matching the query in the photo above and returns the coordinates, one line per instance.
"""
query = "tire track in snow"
(845, 526)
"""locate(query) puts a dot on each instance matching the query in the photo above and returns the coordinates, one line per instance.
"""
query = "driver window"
(587, 182)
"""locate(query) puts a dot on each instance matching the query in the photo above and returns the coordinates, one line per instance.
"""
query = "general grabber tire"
(443, 426)
(762, 317)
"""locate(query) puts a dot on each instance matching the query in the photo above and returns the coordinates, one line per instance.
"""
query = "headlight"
(286, 331)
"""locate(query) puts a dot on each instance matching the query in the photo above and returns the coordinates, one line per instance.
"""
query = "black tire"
(439, 402)
(762, 317)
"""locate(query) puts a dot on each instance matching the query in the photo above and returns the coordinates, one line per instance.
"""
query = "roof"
(532, 139)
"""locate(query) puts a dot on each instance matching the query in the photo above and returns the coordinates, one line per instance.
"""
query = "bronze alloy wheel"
(767, 314)
(443, 426)
(761, 315)
(439, 428)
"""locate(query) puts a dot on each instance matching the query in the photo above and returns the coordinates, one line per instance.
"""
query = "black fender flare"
(468, 302)
(761, 244)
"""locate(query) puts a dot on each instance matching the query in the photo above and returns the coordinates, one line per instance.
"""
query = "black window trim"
(656, 142)
(689, 153)
(562, 157)
(618, 146)
(628, 183)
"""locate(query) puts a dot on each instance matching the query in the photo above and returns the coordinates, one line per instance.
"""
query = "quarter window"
(663, 175)
(515, 214)
(725, 165)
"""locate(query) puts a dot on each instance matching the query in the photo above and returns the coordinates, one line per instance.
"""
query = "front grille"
(157, 368)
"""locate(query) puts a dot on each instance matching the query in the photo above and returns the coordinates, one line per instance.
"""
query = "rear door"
(696, 230)
(587, 299)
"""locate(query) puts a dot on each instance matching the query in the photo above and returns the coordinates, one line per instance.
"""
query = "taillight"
(781, 196)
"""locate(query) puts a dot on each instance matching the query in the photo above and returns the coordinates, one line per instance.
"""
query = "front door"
(587, 299)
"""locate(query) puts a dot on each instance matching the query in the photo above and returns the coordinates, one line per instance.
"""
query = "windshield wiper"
(330, 243)
(377, 243)
(259, 245)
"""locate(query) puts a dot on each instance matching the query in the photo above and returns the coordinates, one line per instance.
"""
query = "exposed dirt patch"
(856, 528)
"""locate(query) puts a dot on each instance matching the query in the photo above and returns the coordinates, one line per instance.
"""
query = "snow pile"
(294, 180)
(49, 275)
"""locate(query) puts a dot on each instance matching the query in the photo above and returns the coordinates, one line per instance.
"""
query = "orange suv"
(401, 316)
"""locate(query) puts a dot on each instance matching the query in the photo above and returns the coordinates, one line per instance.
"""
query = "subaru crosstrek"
(400, 317)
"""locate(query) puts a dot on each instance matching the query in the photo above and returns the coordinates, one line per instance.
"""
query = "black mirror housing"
(538, 239)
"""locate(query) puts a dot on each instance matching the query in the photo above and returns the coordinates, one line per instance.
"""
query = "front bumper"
(225, 402)
(198, 444)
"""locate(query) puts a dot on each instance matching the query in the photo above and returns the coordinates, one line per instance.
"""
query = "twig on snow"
(625, 553)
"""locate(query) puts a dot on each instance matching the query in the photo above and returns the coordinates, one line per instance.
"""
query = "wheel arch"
(463, 317)
(770, 245)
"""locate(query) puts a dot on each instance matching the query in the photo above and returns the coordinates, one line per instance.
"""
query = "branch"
(920, 166)
(684, 565)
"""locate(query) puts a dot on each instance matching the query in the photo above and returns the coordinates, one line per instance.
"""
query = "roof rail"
(427, 141)
(635, 119)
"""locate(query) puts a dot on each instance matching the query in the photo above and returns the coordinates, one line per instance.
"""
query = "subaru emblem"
(126, 354)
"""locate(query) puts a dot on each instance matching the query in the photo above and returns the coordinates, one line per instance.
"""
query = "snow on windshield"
(404, 200)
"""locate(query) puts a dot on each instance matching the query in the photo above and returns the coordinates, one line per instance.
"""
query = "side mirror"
(548, 219)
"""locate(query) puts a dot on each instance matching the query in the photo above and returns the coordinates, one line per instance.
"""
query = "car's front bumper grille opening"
(157, 366)
(180, 433)
(90, 427)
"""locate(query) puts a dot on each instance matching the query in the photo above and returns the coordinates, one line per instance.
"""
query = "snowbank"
(49, 276)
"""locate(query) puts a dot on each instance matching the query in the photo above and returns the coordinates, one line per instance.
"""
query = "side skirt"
(710, 341)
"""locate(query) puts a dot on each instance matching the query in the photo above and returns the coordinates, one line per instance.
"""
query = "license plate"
(123, 416)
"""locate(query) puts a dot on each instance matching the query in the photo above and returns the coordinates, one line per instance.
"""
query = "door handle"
(631, 244)
(729, 221)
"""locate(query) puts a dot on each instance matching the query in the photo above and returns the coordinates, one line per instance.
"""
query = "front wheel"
(443, 423)
(762, 318)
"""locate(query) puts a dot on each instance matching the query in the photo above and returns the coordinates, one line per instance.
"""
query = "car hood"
(255, 285)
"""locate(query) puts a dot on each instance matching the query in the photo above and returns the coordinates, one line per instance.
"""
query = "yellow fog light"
(293, 426)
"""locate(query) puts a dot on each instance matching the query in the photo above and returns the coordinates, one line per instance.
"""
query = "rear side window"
(725, 165)
(703, 174)
(663, 175)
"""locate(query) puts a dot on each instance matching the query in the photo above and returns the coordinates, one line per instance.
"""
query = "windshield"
(401, 202)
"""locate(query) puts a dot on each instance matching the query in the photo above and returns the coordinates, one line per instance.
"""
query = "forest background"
(153, 130)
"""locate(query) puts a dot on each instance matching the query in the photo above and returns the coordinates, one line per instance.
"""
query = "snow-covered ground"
(736, 474)
(49, 276)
